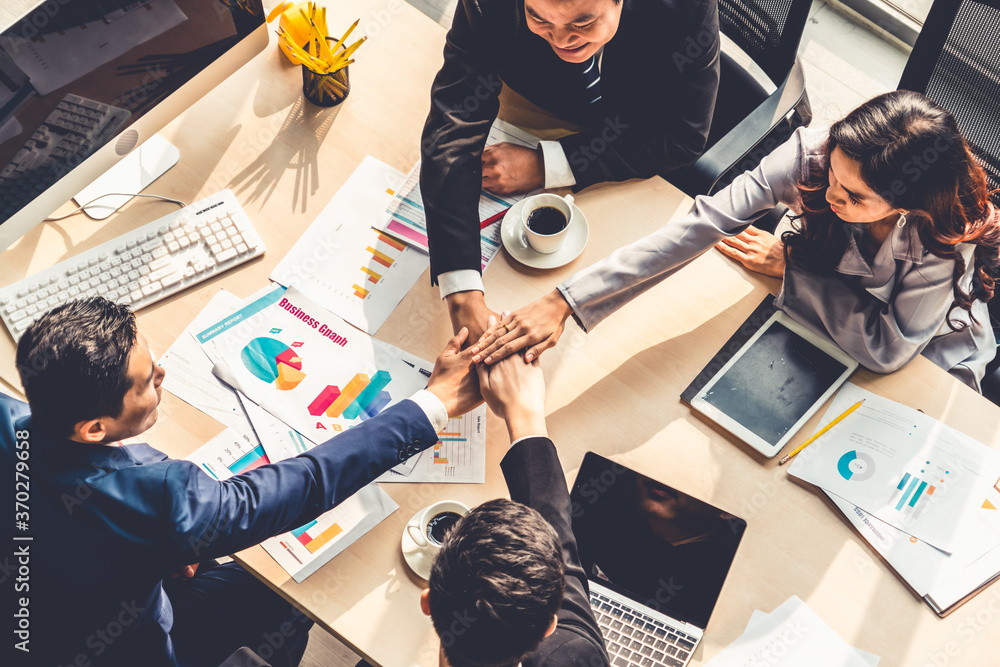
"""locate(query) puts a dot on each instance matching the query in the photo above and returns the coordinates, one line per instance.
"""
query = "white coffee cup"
(546, 244)
(430, 526)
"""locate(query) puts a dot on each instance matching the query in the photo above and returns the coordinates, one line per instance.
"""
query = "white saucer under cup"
(513, 238)
(419, 550)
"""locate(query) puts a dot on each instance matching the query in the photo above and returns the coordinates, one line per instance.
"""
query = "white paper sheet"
(306, 366)
(189, 370)
(405, 219)
(64, 57)
(341, 263)
(904, 467)
(305, 549)
(792, 635)
(922, 566)
(459, 457)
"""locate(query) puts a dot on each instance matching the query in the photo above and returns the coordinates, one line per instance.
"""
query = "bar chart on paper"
(357, 272)
(459, 455)
(228, 454)
(914, 491)
(405, 216)
(303, 550)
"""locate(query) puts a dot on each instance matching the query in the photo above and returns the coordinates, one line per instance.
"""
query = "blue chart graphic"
(912, 492)
(856, 466)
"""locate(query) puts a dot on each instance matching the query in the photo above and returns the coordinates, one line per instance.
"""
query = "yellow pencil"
(821, 432)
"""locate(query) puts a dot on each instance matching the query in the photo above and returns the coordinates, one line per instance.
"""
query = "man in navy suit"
(116, 528)
(507, 587)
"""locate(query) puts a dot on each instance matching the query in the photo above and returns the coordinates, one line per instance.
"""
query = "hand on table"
(539, 324)
(509, 169)
(469, 309)
(454, 379)
(757, 250)
(515, 391)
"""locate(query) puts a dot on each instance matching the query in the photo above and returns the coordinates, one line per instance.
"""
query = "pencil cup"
(326, 90)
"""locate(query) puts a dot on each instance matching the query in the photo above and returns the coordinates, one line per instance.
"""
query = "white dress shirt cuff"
(432, 406)
(462, 280)
(557, 171)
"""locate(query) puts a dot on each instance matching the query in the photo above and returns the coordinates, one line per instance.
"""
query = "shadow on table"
(295, 148)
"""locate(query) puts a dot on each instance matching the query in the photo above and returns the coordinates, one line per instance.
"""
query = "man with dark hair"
(507, 587)
(111, 523)
(638, 76)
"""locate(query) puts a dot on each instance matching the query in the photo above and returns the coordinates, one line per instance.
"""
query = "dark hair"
(495, 585)
(73, 363)
(912, 153)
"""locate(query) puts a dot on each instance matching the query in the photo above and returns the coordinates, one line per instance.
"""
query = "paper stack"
(792, 635)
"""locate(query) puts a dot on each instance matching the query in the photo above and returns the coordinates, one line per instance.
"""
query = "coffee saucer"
(512, 235)
(417, 557)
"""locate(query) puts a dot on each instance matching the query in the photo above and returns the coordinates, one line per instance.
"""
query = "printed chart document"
(346, 266)
(305, 549)
(404, 218)
(189, 371)
(940, 579)
(905, 468)
(792, 635)
(306, 366)
(63, 57)
(459, 456)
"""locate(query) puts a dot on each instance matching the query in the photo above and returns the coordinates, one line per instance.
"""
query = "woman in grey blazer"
(893, 249)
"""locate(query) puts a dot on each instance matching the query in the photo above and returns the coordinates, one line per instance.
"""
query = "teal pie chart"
(856, 466)
(261, 357)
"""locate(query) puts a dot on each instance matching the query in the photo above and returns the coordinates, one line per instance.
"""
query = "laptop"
(656, 559)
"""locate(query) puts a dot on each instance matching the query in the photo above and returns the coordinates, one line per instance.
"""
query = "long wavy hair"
(910, 152)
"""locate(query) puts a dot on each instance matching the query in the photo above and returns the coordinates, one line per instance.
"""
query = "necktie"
(591, 81)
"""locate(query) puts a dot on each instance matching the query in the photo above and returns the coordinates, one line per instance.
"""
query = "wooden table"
(614, 391)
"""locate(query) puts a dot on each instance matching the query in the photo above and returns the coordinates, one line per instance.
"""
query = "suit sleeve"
(211, 518)
(535, 478)
(647, 141)
(603, 288)
(464, 104)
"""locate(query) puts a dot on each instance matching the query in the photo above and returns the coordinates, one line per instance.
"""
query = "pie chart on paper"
(856, 466)
(270, 360)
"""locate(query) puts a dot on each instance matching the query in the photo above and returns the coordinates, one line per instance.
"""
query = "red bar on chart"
(324, 400)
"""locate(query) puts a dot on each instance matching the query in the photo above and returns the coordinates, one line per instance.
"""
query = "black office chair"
(956, 63)
(749, 123)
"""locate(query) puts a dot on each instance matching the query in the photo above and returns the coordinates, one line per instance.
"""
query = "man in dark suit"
(639, 75)
(110, 523)
(507, 587)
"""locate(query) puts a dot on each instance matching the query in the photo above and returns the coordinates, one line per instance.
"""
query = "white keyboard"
(143, 266)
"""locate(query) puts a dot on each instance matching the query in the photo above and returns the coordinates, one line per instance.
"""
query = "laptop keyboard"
(632, 638)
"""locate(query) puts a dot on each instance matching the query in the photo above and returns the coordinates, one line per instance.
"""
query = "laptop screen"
(658, 546)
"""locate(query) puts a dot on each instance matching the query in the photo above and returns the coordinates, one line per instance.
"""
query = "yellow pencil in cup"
(821, 432)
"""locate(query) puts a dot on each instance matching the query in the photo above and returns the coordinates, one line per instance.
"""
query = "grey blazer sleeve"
(603, 288)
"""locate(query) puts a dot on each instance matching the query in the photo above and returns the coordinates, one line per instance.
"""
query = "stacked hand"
(536, 326)
(515, 391)
(454, 378)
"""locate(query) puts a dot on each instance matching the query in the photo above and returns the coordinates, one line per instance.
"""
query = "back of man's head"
(73, 363)
(496, 585)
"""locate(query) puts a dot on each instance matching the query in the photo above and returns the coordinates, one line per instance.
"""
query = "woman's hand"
(539, 324)
(757, 250)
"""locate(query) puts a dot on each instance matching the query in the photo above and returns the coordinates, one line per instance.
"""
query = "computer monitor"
(83, 82)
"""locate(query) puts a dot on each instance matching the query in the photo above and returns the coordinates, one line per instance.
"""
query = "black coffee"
(546, 220)
(440, 524)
